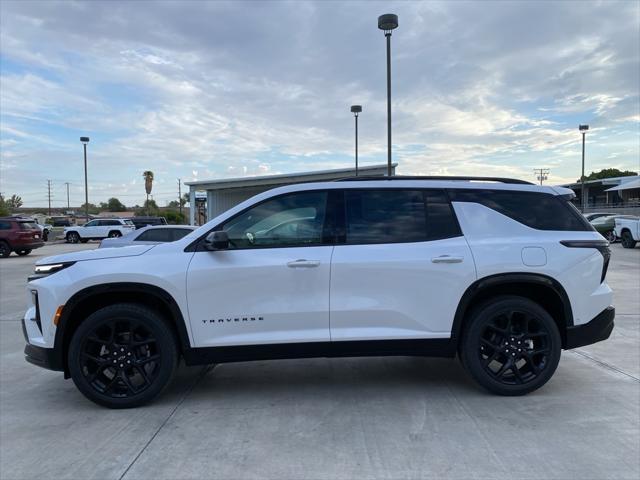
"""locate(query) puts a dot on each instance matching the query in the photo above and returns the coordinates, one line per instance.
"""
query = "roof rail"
(436, 177)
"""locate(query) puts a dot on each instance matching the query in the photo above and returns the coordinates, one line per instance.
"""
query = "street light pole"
(387, 23)
(84, 141)
(583, 129)
(356, 109)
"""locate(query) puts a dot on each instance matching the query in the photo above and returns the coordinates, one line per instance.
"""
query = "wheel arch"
(542, 289)
(86, 301)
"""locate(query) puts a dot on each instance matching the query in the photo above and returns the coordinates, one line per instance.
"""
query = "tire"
(610, 236)
(24, 252)
(45, 236)
(496, 336)
(627, 240)
(73, 237)
(104, 340)
(5, 250)
(115, 234)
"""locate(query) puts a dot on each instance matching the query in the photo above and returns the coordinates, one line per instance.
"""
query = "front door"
(272, 284)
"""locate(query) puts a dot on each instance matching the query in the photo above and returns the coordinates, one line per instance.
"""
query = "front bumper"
(594, 331)
(42, 357)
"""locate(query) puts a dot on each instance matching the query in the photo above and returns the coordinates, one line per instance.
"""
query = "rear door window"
(155, 235)
(385, 216)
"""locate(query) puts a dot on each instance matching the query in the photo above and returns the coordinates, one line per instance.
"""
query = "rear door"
(402, 268)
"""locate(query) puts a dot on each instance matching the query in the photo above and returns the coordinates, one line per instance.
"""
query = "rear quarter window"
(541, 211)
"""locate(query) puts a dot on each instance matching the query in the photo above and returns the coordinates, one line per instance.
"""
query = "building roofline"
(271, 179)
(604, 181)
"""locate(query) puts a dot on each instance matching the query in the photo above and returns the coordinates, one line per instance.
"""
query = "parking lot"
(330, 418)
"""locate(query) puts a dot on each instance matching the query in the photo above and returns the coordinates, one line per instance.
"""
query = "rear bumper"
(594, 331)
(27, 245)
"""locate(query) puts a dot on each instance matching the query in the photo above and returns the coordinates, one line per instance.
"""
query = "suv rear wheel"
(511, 345)
(123, 356)
(23, 252)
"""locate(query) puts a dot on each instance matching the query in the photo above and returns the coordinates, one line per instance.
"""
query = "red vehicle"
(20, 235)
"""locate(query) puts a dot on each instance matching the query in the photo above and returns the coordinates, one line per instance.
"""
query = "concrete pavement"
(330, 418)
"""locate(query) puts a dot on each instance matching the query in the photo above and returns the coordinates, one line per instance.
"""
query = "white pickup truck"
(628, 230)
(99, 229)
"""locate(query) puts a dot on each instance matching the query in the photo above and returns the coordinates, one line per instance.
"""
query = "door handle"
(447, 259)
(302, 263)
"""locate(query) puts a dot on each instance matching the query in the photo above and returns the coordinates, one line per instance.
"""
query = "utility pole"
(68, 206)
(541, 174)
(583, 198)
(180, 196)
(49, 195)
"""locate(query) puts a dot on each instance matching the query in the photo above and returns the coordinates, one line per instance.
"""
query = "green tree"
(150, 208)
(185, 199)
(173, 204)
(173, 217)
(14, 202)
(4, 209)
(115, 205)
(608, 173)
(93, 209)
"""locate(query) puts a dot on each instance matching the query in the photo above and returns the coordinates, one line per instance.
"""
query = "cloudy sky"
(202, 90)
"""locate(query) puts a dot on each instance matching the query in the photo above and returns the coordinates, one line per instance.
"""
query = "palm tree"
(148, 185)
(148, 182)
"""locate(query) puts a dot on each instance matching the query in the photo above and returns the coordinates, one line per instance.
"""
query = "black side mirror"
(217, 241)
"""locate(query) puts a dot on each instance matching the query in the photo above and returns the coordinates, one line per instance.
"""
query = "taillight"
(601, 245)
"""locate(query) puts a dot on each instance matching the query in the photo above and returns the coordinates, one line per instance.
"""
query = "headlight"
(46, 270)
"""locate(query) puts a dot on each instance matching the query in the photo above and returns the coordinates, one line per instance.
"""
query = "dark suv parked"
(20, 235)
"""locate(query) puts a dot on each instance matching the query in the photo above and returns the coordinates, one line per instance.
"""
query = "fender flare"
(504, 279)
(61, 342)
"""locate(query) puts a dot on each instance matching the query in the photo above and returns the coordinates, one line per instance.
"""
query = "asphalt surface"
(330, 418)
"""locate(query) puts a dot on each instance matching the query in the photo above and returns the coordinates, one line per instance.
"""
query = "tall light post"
(356, 109)
(583, 130)
(387, 23)
(84, 141)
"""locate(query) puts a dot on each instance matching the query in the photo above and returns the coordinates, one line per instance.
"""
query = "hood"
(97, 254)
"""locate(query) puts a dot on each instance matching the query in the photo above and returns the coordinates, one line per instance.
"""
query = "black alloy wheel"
(122, 356)
(512, 346)
(73, 237)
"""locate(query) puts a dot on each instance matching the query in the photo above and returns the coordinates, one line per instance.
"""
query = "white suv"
(503, 273)
(99, 229)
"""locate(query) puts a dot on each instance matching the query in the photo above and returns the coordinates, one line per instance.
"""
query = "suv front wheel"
(511, 345)
(73, 237)
(123, 356)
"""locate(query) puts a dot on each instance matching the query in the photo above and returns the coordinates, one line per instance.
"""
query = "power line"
(541, 174)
